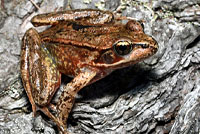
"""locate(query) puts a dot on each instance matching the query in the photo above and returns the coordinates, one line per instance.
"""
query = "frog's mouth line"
(132, 58)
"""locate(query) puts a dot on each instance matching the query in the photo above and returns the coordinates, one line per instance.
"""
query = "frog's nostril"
(154, 48)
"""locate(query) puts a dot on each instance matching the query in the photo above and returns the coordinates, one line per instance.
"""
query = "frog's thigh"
(25, 73)
(43, 76)
(49, 78)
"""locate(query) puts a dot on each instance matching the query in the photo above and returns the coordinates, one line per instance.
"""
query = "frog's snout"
(154, 45)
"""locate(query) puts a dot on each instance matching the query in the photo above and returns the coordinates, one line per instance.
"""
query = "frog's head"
(131, 47)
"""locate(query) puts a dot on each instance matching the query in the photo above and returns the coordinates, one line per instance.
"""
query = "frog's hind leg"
(25, 72)
(39, 74)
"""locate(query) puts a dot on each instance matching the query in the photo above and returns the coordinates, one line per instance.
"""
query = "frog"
(85, 44)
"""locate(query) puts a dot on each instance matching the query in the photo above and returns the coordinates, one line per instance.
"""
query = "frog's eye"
(123, 47)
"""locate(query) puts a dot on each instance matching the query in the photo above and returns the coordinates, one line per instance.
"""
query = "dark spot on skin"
(66, 98)
(61, 30)
(78, 27)
(63, 106)
(63, 119)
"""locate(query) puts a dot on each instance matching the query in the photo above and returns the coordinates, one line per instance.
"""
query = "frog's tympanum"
(84, 44)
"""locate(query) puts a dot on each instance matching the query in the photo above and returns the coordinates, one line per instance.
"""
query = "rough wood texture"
(157, 96)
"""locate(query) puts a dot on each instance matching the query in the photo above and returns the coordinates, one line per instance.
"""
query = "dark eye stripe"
(142, 45)
(125, 47)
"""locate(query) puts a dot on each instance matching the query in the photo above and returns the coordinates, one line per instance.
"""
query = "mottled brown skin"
(85, 44)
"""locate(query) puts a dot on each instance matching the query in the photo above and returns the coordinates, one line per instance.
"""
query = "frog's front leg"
(67, 97)
(39, 74)
(80, 16)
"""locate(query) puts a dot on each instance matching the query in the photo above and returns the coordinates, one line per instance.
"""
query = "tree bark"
(157, 96)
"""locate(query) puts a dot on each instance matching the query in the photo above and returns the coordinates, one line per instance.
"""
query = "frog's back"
(97, 37)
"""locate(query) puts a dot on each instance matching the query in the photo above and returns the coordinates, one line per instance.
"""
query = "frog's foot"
(61, 126)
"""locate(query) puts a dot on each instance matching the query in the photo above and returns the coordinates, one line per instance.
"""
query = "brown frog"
(85, 44)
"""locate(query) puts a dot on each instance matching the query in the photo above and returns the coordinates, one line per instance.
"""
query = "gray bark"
(159, 95)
